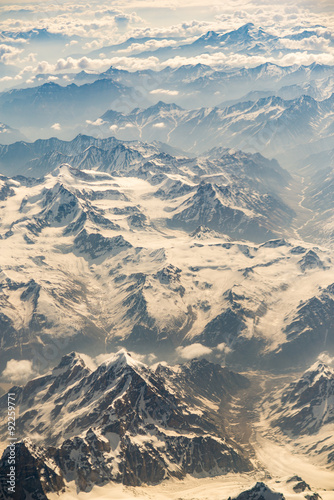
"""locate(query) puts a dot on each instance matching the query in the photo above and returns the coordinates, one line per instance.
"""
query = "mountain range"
(247, 39)
(271, 125)
(166, 253)
(88, 425)
(36, 107)
(144, 227)
(45, 105)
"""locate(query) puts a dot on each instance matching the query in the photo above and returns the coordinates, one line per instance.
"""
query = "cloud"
(224, 348)
(101, 358)
(325, 358)
(97, 123)
(96, 64)
(71, 43)
(90, 362)
(12, 55)
(313, 43)
(8, 54)
(69, 19)
(159, 125)
(113, 128)
(18, 371)
(56, 126)
(193, 351)
(147, 359)
(164, 92)
(95, 44)
(219, 60)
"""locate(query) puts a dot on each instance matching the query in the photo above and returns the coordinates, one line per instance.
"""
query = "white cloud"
(13, 56)
(95, 44)
(122, 21)
(113, 128)
(193, 351)
(72, 20)
(98, 64)
(224, 348)
(325, 358)
(218, 60)
(56, 126)
(18, 371)
(97, 123)
(314, 43)
(90, 362)
(164, 92)
(9, 54)
(159, 125)
(147, 359)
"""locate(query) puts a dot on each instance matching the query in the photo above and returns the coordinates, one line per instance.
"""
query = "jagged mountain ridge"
(302, 412)
(247, 187)
(49, 103)
(123, 422)
(227, 209)
(319, 89)
(270, 125)
(42, 156)
(116, 89)
(307, 405)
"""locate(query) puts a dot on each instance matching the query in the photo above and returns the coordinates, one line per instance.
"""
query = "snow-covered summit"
(307, 404)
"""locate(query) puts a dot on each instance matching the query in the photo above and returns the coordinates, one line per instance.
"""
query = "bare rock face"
(35, 474)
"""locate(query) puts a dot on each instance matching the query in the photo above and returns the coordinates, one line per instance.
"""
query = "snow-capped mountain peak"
(307, 404)
(122, 359)
(70, 362)
(317, 372)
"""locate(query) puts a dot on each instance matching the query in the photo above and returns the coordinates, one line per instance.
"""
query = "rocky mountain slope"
(304, 411)
(125, 422)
